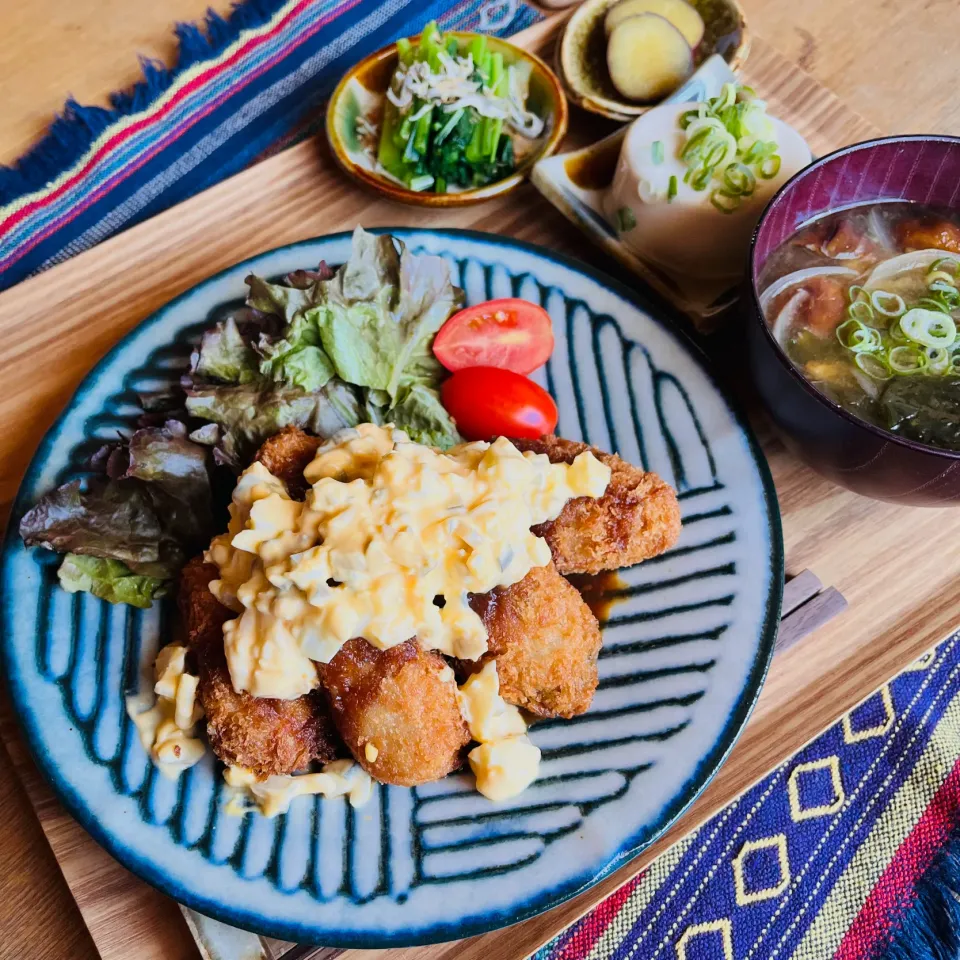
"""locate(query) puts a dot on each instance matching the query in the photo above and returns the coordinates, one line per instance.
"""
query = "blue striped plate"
(685, 649)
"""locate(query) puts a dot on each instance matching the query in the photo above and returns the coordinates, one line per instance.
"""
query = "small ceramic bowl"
(582, 53)
(359, 96)
(845, 449)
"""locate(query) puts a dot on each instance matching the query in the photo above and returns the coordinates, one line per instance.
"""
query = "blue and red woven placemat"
(845, 851)
(244, 87)
(848, 850)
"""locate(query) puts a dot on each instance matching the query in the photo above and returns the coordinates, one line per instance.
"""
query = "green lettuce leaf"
(420, 413)
(225, 354)
(427, 298)
(374, 405)
(379, 316)
(248, 415)
(374, 264)
(297, 358)
(360, 340)
(277, 298)
(110, 580)
(354, 344)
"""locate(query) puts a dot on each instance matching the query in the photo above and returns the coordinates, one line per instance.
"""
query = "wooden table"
(872, 53)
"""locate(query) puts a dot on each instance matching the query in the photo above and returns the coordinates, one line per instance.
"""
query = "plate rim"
(305, 932)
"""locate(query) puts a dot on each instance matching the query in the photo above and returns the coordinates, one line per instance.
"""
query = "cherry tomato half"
(488, 402)
(511, 334)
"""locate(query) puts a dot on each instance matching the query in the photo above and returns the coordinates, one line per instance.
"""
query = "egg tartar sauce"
(391, 540)
(166, 726)
(340, 778)
(506, 762)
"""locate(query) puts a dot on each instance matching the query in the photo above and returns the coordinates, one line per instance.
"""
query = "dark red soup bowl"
(853, 453)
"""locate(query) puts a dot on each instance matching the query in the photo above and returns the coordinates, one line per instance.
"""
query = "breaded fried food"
(637, 518)
(265, 735)
(286, 455)
(397, 711)
(203, 615)
(545, 640)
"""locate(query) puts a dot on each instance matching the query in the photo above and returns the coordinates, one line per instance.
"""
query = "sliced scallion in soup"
(866, 304)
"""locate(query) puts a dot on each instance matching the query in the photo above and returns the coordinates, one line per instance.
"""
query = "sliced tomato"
(511, 334)
(489, 402)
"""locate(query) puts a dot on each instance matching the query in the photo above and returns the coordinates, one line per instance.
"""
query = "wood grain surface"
(67, 318)
(86, 49)
(893, 60)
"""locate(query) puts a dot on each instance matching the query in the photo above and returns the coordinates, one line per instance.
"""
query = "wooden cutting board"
(76, 311)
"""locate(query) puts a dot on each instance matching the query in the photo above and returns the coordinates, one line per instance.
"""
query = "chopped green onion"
(739, 178)
(942, 286)
(946, 263)
(727, 97)
(930, 304)
(929, 327)
(770, 167)
(896, 334)
(725, 201)
(672, 188)
(760, 150)
(945, 293)
(700, 181)
(907, 360)
(889, 304)
(657, 151)
(944, 276)
(858, 294)
(729, 137)
(858, 337)
(860, 310)
(873, 366)
(938, 360)
(717, 153)
(625, 219)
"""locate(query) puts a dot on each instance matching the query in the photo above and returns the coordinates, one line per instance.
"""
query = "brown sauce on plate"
(593, 169)
(600, 591)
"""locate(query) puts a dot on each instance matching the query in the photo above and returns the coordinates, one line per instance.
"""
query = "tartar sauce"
(506, 762)
(166, 726)
(341, 778)
(391, 540)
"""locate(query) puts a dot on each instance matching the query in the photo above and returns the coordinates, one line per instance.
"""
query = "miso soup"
(866, 303)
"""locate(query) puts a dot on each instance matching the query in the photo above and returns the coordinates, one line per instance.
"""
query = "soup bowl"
(847, 450)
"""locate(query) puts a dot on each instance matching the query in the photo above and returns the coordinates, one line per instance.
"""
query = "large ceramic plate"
(684, 654)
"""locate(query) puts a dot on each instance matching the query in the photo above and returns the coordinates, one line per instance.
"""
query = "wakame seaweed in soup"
(866, 303)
